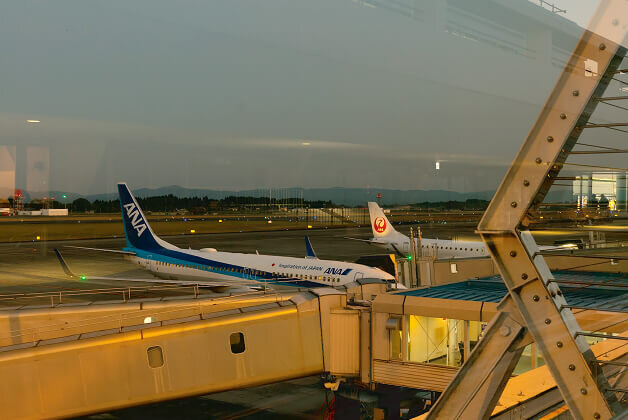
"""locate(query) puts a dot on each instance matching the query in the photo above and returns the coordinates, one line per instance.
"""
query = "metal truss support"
(473, 392)
(533, 295)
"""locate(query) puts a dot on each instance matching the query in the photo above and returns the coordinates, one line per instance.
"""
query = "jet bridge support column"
(533, 297)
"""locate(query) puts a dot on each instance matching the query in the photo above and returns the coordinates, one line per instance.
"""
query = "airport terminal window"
(395, 344)
(155, 357)
(440, 341)
(237, 343)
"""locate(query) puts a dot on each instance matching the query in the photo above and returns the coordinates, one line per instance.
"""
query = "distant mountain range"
(338, 195)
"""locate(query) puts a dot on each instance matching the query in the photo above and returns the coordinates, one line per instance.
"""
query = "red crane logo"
(379, 224)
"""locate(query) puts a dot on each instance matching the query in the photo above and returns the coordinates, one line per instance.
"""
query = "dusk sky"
(279, 93)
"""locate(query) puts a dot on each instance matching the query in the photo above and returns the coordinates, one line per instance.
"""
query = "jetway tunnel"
(73, 361)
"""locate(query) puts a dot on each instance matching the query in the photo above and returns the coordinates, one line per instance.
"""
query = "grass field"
(26, 229)
(87, 229)
(89, 226)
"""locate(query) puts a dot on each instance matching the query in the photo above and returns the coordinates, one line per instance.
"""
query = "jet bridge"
(69, 361)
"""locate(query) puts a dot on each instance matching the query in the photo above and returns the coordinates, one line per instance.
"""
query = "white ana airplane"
(385, 236)
(212, 267)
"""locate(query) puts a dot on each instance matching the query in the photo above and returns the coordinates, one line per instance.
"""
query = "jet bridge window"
(237, 343)
(155, 357)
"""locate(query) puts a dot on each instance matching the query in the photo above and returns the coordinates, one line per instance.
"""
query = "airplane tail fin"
(380, 225)
(309, 251)
(136, 228)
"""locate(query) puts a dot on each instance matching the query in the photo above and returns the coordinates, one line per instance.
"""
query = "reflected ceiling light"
(306, 143)
(33, 121)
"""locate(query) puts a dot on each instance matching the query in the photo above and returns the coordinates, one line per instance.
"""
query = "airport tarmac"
(295, 399)
(32, 267)
(29, 267)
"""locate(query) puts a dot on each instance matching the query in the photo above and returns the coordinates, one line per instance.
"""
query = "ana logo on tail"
(136, 220)
(379, 224)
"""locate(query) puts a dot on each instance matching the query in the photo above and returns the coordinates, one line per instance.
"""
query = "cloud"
(280, 143)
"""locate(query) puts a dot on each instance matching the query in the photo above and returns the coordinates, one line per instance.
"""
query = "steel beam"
(556, 129)
(538, 299)
(532, 292)
(473, 392)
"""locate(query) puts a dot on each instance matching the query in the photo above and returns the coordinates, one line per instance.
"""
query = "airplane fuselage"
(438, 248)
(251, 269)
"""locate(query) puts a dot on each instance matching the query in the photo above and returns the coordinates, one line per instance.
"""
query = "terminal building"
(602, 189)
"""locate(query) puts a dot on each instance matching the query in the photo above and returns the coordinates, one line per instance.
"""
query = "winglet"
(64, 265)
(309, 251)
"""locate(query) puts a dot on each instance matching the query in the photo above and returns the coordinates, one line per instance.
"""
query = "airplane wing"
(115, 251)
(397, 250)
(369, 241)
(372, 242)
(216, 286)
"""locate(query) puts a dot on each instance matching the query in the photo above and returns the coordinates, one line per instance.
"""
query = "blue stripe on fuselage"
(170, 256)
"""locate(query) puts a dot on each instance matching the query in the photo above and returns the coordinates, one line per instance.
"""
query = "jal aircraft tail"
(380, 225)
(136, 228)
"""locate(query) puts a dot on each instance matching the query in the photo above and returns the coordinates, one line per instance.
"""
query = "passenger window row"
(209, 268)
(252, 272)
(453, 248)
(308, 277)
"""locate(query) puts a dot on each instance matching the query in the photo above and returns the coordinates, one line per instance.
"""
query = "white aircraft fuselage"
(387, 237)
(249, 269)
(169, 262)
